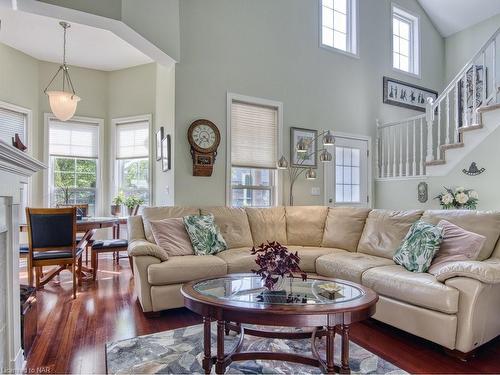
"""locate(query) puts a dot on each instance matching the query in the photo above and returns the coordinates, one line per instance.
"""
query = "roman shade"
(254, 135)
(132, 140)
(12, 122)
(73, 139)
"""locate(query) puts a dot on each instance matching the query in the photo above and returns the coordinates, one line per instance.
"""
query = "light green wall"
(19, 86)
(104, 8)
(403, 194)
(269, 49)
(461, 47)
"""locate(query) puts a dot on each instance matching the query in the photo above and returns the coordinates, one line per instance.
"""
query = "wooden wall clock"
(204, 138)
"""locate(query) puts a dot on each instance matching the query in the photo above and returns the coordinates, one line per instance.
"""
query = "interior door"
(346, 179)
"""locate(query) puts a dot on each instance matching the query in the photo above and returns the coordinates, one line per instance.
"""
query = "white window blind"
(12, 122)
(132, 140)
(254, 135)
(73, 139)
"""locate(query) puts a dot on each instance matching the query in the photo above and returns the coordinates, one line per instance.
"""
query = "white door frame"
(326, 169)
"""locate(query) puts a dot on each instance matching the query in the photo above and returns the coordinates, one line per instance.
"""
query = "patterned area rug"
(181, 351)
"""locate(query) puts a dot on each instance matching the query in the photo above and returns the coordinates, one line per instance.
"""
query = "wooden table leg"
(207, 345)
(345, 369)
(93, 256)
(219, 365)
(330, 349)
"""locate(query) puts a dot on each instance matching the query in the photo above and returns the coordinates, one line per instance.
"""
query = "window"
(405, 41)
(339, 25)
(73, 163)
(253, 131)
(132, 160)
(12, 122)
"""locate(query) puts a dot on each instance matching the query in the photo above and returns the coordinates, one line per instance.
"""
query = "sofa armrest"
(145, 248)
(487, 271)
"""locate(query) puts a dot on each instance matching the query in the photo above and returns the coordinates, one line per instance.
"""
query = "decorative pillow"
(458, 245)
(171, 236)
(204, 234)
(419, 246)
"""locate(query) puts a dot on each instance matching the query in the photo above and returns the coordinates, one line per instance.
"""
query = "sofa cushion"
(420, 289)
(204, 234)
(171, 236)
(239, 260)
(305, 225)
(185, 268)
(384, 231)
(348, 266)
(481, 222)
(343, 227)
(158, 213)
(233, 224)
(419, 246)
(267, 224)
(309, 254)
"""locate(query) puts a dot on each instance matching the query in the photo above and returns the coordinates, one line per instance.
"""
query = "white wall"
(462, 46)
(269, 49)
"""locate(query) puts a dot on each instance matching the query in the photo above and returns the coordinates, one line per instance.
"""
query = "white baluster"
(394, 165)
(414, 162)
(465, 120)
(377, 148)
(421, 171)
(382, 151)
(474, 94)
(438, 145)
(484, 94)
(456, 137)
(494, 67)
(407, 164)
(401, 127)
(447, 141)
(429, 117)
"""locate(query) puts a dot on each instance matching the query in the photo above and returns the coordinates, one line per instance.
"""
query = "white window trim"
(277, 194)
(415, 46)
(370, 181)
(112, 156)
(28, 131)
(100, 160)
(352, 32)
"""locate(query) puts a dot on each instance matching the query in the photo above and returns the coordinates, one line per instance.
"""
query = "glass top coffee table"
(328, 306)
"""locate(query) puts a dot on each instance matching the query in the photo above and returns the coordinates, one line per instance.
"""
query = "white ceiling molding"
(116, 27)
(452, 16)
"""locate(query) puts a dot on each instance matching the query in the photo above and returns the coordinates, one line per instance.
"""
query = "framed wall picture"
(406, 95)
(305, 139)
(159, 138)
(165, 152)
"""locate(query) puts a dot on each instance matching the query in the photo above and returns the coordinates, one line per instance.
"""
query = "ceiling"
(88, 47)
(451, 16)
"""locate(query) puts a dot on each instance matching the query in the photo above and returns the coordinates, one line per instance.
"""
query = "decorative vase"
(278, 285)
(130, 210)
(116, 210)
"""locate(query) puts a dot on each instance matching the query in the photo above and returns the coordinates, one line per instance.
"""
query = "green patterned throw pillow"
(204, 234)
(419, 247)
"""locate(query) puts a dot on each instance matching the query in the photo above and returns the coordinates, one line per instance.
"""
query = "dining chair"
(106, 246)
(52, 242)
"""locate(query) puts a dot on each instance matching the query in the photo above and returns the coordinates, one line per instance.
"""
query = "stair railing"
(406, 147)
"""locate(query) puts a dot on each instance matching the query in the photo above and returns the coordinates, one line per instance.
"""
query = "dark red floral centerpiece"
(275, 262)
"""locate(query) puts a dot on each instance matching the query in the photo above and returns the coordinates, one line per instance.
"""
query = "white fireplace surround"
(16, 168)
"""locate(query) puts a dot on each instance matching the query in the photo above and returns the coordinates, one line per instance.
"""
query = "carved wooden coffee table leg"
(345, 369)
(219, 365)
(207, 345)
(330, 349)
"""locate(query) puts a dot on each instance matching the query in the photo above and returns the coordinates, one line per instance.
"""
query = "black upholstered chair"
(52, 242)
(106, 246)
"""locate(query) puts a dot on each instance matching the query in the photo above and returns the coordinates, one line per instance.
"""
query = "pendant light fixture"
(63, 103)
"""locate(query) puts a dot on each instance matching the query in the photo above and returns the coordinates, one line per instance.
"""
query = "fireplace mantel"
(18, 162)
(16, 167)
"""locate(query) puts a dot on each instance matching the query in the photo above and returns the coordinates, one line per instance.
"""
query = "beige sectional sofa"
(459, 308)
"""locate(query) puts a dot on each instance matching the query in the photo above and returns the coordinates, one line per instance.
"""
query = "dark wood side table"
(238, 299)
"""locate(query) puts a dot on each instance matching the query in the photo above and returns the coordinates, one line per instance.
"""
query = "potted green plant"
(116, 207)
(131, 202)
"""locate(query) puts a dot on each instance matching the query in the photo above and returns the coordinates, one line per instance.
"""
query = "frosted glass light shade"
(63, 104)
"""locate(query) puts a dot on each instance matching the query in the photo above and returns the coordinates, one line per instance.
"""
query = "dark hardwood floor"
(72, 333)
